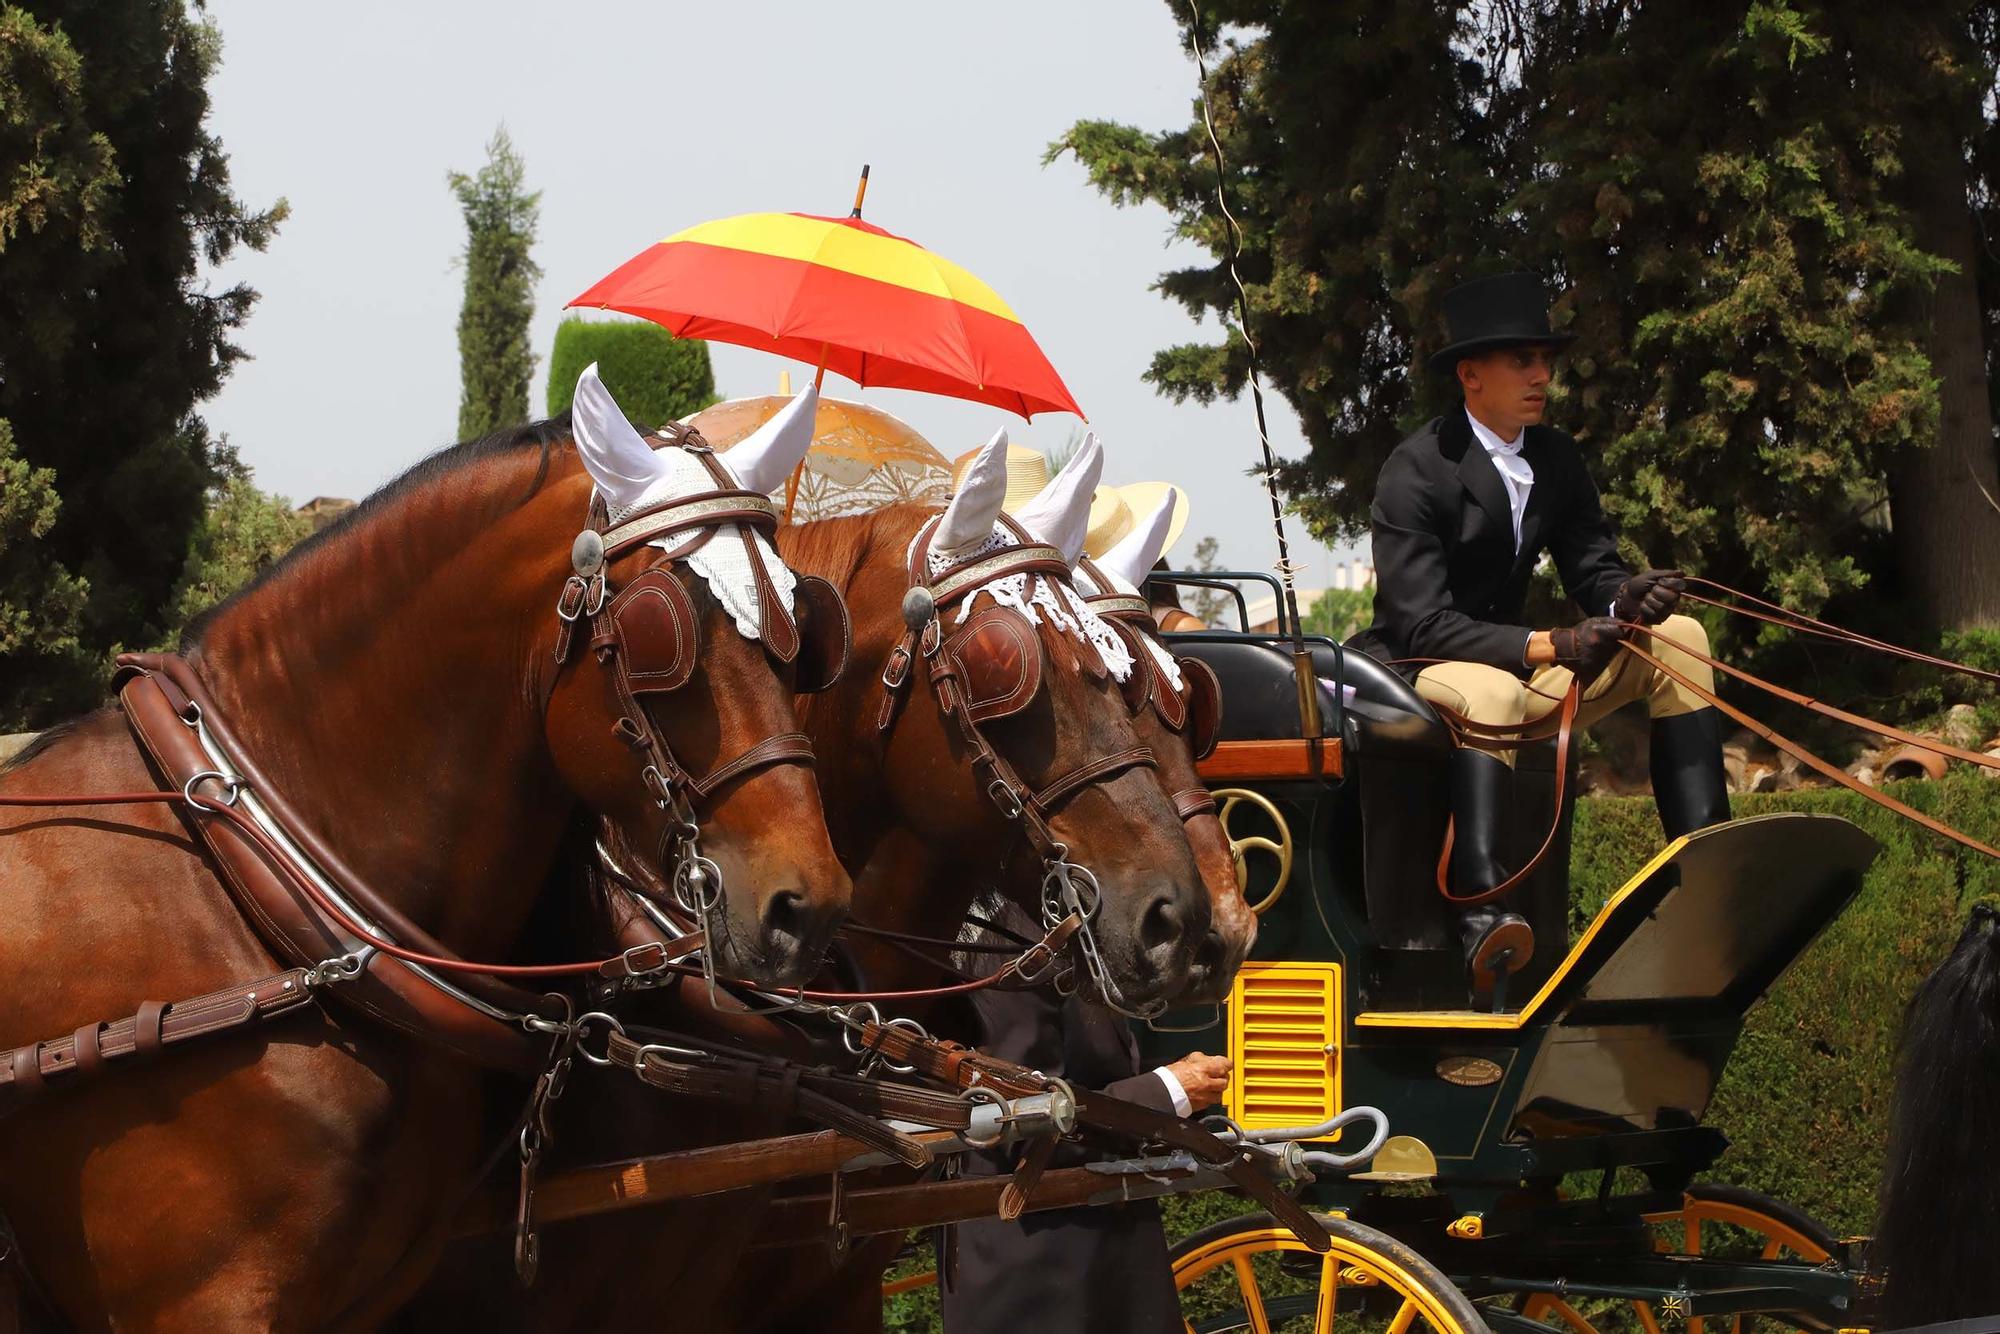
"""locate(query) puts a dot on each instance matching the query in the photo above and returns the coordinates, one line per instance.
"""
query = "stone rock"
(1961, 726)
(1993, 754)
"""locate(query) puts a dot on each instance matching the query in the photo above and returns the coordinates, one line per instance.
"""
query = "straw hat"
(1114, 510)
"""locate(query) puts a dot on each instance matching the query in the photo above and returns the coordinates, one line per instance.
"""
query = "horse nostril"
(1161, 925)
(1209, 955)
(786, 913)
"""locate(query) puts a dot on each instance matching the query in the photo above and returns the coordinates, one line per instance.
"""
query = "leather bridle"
(645, 638)
(1193, 710)
(958, 668)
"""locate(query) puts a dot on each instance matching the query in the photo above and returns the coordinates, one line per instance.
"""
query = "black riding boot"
(1688, 783)
(1497, 942)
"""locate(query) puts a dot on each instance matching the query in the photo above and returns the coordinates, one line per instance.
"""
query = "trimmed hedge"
(656, 377)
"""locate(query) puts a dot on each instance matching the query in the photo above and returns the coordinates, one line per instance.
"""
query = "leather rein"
(1561, 723)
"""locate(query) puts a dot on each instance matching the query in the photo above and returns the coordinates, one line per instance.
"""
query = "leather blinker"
(998, 658)
(1204, 706)
(826, 636)
(1139, 687)
(658, 636)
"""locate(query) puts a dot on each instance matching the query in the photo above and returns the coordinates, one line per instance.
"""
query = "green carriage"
(1545, 1168)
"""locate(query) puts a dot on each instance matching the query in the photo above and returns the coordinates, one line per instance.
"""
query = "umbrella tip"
(860, 191)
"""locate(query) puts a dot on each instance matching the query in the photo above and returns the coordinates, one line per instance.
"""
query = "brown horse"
(1177, 708)
(908, 813)
(388, 680)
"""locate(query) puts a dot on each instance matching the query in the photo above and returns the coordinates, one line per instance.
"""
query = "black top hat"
(1505, 311)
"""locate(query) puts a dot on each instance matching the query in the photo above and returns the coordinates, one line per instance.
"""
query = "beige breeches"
(1489, 695)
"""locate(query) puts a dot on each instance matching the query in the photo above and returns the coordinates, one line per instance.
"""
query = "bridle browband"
(1067, 887)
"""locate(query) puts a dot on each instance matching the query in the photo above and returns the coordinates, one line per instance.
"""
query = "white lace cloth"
(722, 563)
(1037, 597)
(1169, 666)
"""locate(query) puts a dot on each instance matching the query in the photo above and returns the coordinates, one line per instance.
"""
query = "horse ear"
(615, 455)
(968, 520)
(1060, 513)
(762, 461)
(1138, 551)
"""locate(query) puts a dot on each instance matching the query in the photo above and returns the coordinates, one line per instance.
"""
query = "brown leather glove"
(1650, 597)
(1588, 647)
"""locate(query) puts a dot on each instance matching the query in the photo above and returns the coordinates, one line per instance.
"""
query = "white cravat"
(1514, 471)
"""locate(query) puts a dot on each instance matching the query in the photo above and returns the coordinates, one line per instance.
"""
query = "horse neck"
(382, 680)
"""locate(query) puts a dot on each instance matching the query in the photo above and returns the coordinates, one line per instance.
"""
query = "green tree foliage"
(656, 377)
(1339, 613)
(40, 602)
(242, 532)
(113, 196)
(494, 359)
(1722, 192)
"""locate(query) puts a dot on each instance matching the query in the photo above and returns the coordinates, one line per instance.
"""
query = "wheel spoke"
(1646, 1321)
(1253, 1297)
(1329, 1293)
(1406, 1315)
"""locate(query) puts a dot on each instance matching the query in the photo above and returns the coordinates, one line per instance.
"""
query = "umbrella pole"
(792, 482)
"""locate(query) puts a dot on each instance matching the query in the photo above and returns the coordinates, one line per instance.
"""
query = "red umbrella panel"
(843, 294)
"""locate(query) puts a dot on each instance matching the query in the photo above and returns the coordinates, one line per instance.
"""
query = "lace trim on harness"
(722, 563)
(1058, 601)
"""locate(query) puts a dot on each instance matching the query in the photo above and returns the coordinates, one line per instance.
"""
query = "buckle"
(896, 670)
(1006, 798)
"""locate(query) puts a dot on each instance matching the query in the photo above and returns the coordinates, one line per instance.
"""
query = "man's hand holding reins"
(1588, 647)
(1649, 597)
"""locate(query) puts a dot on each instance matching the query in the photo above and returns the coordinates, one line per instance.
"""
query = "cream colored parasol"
(862, 458)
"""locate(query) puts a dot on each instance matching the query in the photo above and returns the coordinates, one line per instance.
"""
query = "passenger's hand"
(1202, 1078)
(1650, 597)
(1588, 647)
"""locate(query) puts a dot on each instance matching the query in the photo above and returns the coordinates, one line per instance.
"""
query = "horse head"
(999, 745)
(1176, 707)
(675, 721)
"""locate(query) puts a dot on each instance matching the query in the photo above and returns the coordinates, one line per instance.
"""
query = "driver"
(1463, 510)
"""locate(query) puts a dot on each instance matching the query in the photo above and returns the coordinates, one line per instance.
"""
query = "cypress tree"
(113, 196)
(495, 361)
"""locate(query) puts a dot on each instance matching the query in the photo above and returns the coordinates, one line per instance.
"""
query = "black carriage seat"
(1391, 809)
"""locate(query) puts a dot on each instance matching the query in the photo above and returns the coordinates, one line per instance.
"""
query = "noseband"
(990, 668)
(645, 636)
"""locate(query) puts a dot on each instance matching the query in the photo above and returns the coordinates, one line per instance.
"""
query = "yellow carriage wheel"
(1251, 1273)
(1713, 1219)
(1280, 848)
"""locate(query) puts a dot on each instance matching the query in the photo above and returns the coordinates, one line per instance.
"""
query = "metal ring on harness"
(232, 785)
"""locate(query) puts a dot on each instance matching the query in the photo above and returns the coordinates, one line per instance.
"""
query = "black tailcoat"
(1099, 1270)
(1448, 582)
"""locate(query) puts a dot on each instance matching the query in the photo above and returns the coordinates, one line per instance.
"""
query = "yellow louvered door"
(1284, 1045)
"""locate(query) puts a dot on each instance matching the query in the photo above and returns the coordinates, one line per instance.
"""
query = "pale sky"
(636, 120)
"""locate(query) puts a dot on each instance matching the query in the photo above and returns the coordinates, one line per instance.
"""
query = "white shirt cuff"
(1182, 1107)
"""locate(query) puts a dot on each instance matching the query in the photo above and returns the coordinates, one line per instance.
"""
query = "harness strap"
(1193, 802)
(26, 1071)
(784, 748)
(1051, 797)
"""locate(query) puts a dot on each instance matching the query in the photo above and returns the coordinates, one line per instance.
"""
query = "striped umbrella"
(844, 295)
